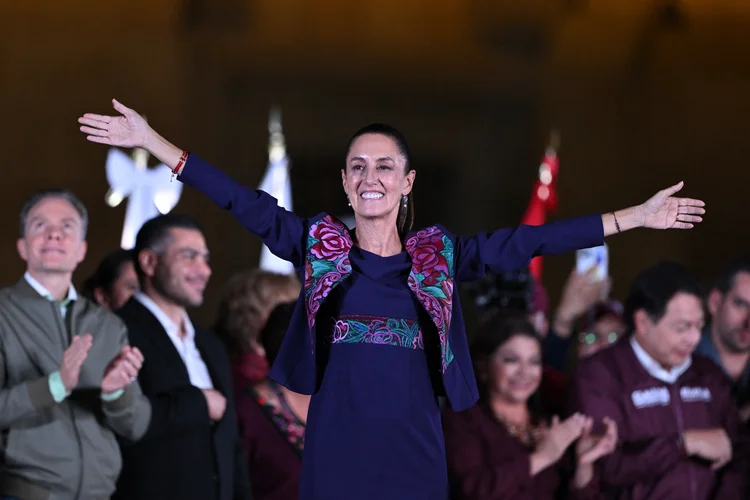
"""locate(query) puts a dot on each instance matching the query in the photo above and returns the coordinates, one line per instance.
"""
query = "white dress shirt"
(39, 288)
(191, 356)
(654, 368)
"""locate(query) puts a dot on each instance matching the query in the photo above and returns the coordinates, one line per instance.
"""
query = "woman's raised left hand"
(665, 211)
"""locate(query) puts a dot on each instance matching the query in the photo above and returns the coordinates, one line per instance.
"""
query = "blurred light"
(545, 174)
(165, 200)
(113, 197)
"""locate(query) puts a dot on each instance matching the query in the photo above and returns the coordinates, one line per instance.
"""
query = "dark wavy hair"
(655, 286)
(106, 274)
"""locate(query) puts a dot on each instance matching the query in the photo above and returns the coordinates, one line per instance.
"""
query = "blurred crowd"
(644, 396)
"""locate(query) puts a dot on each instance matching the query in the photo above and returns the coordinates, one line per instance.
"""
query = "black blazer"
(184, 455)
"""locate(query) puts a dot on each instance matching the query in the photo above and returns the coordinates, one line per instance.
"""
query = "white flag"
(149, 190)
(277, 183)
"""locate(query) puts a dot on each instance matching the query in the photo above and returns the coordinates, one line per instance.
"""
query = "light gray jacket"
(66, 450)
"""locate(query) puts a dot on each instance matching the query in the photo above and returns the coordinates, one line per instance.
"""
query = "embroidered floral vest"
(430, 279)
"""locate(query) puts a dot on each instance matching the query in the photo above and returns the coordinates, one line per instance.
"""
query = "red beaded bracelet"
(180, 164)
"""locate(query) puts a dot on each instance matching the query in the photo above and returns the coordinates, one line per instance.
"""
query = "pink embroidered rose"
(428, 260)
(428, 232)
(420, 235)
(433, 307)
(324, 286)
(331, 242)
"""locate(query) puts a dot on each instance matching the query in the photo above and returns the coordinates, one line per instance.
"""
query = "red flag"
(543, 198)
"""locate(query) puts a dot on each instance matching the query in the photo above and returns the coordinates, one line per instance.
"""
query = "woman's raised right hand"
(129, 130)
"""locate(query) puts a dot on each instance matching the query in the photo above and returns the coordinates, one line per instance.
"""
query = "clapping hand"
(123, 370)
(560, 435)
(591, 448)
(73, 359)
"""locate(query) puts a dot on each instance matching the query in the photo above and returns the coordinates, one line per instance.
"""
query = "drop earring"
(404, 200)
(348, 201)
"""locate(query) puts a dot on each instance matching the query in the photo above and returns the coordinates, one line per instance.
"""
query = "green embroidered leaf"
(435, 291)
(311, 241)
(448, 253)
(320, 267)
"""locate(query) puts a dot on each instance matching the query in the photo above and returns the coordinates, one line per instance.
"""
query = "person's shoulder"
(705, 367)
(132, 310)
(605, 363)
(429, 229)
(5, 294)
(92, 311)
(471, 416)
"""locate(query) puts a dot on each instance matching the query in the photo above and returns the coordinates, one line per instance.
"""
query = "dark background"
(644, 94)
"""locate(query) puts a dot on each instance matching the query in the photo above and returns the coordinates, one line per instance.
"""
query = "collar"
(170, 327)
(39, 288)
(654, 368)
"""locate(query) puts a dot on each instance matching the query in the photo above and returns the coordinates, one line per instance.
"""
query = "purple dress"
(375, 422)
(376, 340)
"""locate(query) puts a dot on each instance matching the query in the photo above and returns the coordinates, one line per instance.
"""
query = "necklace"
(526, 433)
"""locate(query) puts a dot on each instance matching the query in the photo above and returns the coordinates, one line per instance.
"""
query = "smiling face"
(179, 274)
(376, 177)
(53, 238)
(515, 369)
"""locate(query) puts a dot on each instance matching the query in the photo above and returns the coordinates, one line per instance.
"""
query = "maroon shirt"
(486, 463)
(273, 463)
(649, 462)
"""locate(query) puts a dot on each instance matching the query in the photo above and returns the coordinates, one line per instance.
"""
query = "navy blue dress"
(376, 340)
(374, 426)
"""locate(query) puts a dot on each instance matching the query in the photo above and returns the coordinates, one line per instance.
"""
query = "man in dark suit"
(191, 450)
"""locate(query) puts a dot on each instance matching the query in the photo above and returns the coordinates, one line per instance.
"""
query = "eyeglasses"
(589, 338)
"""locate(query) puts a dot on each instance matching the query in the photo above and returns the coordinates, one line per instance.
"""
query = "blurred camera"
(513, 290)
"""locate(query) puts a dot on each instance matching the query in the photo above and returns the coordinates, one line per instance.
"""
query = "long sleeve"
(556, 350)
(474, 476)
(595, 394)
(510, 249)
(22, 400)
(280, 230)
(129, 414)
